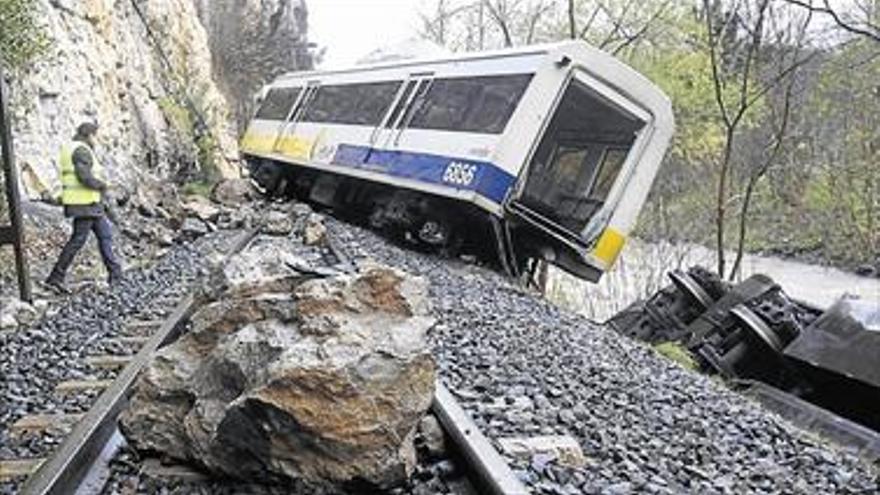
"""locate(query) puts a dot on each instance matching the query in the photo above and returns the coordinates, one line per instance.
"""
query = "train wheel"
(269, 176)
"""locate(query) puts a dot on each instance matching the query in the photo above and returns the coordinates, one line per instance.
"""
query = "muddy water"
(643, 266)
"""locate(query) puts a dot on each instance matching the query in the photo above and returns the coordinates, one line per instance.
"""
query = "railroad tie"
(18, 468)
(154, 468)
(108, 361)
(142, 328)
(37, 423)
(79, 386)
(134, 341)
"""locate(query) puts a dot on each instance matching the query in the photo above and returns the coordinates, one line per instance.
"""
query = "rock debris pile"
(290, 375)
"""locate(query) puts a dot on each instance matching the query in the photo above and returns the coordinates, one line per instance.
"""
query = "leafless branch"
(869, 30)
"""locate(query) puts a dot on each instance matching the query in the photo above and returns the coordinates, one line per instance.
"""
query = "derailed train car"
(543, 152)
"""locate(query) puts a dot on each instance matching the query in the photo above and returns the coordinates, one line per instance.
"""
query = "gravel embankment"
(34, 360)
(523, 367)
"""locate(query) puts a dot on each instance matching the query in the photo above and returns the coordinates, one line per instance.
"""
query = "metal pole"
(15, 233)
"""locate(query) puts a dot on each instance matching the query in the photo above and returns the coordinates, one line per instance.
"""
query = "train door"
(409, 98)
(287, 130)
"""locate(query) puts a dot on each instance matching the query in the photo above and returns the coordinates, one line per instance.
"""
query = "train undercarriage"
(420, 220)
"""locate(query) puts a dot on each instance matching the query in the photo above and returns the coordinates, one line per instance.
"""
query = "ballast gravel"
(34, 360)
(523, 367)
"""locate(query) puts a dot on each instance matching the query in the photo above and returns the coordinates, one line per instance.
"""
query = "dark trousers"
(81, 228)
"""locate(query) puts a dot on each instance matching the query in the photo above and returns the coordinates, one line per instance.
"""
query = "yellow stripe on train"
(292, 146)
(257, 143)
(609, 246)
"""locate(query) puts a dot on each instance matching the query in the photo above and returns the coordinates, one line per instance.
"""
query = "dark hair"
(86, 129)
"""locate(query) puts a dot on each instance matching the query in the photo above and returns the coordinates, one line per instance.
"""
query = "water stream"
(642, 269)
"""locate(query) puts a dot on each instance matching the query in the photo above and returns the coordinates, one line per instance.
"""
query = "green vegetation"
(677, 353)
(198, 188)
(22, 39)
(184, 118)
(777, 139)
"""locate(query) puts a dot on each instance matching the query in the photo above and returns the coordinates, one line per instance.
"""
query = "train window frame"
(291, 95)
(470, 105)
(398, 111)
(348, 105)
(542, 192)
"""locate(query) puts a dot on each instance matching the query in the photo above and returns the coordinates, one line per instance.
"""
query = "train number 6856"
(460, 173)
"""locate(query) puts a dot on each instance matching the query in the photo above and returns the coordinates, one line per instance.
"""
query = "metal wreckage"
(820, 369)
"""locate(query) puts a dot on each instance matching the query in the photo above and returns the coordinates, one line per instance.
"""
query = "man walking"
(83, 184)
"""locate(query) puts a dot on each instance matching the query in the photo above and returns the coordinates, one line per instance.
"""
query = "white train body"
(557, 144)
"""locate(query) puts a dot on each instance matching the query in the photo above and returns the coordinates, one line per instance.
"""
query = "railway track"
(74, 375)
(637, 418)
(81, 462)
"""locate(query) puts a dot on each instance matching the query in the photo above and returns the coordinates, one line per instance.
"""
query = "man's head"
(86, 132)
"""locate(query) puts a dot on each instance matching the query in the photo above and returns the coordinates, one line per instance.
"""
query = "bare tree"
(790, 55)
(862, 27)
(733, 68)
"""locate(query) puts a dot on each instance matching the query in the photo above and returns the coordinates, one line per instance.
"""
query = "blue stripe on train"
(489, 180)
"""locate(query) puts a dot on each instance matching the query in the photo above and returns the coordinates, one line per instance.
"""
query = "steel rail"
(492, 472)
(69, 464)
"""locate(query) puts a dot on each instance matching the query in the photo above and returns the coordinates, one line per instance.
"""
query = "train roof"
(600, 63)
(453, 57)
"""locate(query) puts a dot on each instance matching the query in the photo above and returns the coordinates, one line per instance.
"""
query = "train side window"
(375, 100)
(473, 104)
(356, 104)
(277, 104)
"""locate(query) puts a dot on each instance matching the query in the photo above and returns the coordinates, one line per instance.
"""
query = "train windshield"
(578, 158)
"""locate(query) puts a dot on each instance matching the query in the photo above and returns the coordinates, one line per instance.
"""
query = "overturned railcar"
(542, 152)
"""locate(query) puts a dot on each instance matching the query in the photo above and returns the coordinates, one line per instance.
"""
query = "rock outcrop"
(140, 72)
(103, 66)
(252, 41)
(284, 376)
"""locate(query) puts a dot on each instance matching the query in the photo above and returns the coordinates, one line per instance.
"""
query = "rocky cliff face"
(139, 69)
(251, 42)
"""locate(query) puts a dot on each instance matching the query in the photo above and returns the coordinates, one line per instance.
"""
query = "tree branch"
(871, 31)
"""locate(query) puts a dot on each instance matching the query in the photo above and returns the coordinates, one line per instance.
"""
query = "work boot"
(56, 286)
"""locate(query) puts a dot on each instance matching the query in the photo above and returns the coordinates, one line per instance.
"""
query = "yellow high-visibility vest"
(73, 191)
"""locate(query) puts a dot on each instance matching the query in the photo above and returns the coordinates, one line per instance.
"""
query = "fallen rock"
(15, 313)
(7, 321)
(193, 227)
(432, 436)
(322, 381)
(563, 448)
(278, 223)
(233, 192)
(201, 208)
(265, 267)
(314, 231)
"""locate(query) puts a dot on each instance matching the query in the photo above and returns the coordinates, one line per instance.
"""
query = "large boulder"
(233, 192)
(283, 377)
